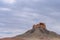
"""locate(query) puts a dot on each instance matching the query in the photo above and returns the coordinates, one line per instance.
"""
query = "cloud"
(5, 9)
(57, 14)
(2, 24)
(9, 1)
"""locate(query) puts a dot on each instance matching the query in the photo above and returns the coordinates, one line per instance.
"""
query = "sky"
(18, 16)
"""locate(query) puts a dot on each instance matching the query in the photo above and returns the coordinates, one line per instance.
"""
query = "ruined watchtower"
(40, 25)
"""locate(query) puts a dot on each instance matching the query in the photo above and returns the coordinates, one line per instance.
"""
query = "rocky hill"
(38, 32)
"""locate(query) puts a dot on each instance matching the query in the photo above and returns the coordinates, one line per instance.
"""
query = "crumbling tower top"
(40, 25)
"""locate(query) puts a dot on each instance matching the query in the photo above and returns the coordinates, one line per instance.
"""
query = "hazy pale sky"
(18, 16)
